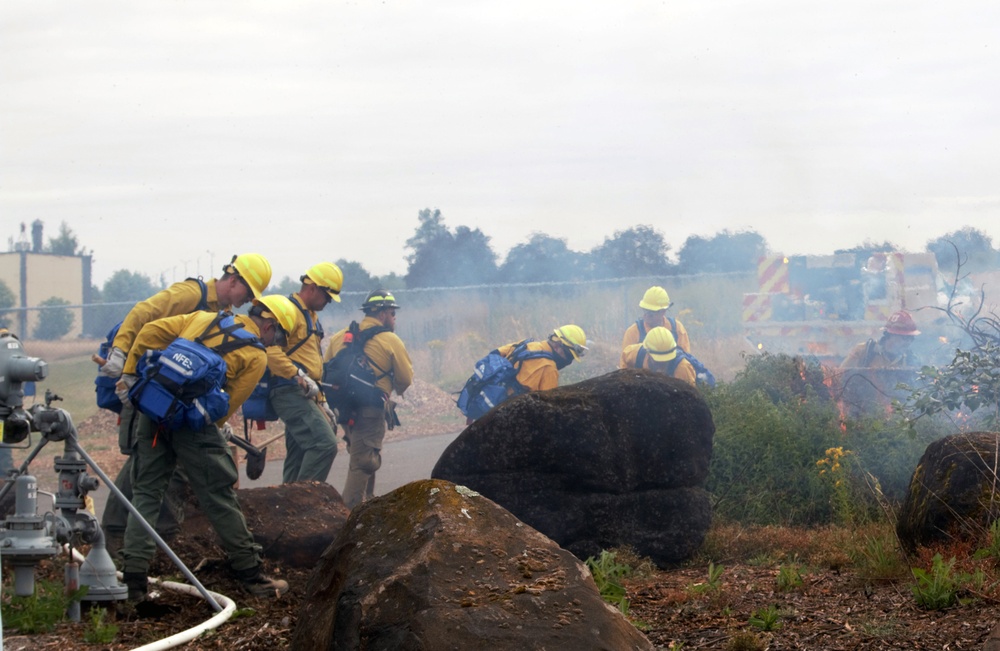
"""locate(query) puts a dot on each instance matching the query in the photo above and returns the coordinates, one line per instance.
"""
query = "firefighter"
(658, 353)
(892, 350)
(873, 369)
(205, 452)
(365, 429)
(310, 438)
(566, 344)
(654, 306)
(244, 278)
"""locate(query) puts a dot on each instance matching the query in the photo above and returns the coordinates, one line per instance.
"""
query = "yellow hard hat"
(655, 299)
(254, 269)
(573, 338)
(280, 308)
(660, 344)
(328, 277)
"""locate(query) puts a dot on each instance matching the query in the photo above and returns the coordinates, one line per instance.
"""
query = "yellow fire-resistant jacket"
(683, 371)
(385, 350)
(871, 354)
(538, 374)
(179, 298)
(309, 354)
(244, 366)
(680, 335)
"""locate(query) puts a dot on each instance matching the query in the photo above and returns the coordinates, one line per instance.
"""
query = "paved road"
(402, 462)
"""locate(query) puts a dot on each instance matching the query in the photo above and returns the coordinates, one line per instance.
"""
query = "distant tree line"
(442, 256)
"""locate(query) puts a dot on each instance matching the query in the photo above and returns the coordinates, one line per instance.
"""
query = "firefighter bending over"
(658, 353)
(654, 306)
(892, 350)
(310, 438)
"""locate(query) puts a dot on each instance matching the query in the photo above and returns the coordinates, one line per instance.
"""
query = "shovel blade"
(255, 464)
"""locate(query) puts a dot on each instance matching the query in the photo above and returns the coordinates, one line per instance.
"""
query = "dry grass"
(831, 547)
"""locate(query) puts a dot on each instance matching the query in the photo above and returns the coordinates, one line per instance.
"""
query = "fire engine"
(820, 306)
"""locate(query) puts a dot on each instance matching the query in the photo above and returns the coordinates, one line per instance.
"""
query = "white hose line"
(219, 618)
(229, 607)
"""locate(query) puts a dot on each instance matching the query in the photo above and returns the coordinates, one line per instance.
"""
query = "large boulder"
(615, 460)
(953, 492)
(434, 566)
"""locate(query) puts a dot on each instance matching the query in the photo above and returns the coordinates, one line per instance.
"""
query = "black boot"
(259, 585)
(137, 583)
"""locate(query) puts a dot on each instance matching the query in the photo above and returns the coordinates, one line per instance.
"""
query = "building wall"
(45, 276)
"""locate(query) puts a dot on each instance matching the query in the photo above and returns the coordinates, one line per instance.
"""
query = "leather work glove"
(308, 385)
(391, 419)
(226, 431)
(113, 365)
(123, 385)
(331, 416)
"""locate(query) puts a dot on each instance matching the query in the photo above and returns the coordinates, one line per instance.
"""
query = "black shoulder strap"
(203, 303)
(517, 349)
(230, 340)
(312, 328)
(642, 329)
(520, 353)
(363, 337)
(673, 325)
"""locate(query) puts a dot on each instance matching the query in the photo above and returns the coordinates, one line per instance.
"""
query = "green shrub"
(766, 619)
(775, 422)
(789, 577)
(771, 427)
(879, 558)
(714, 582)
(41, 611)
(937, 588)
(99, 630)
(608, 573)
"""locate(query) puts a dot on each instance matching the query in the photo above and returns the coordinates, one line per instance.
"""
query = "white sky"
(170, 133)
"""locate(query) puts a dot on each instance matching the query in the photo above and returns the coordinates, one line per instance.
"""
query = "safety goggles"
(577, 350)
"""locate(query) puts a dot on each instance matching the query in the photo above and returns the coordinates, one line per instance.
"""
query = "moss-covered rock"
(953, 492)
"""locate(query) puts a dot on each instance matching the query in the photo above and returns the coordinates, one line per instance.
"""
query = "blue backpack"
(104, 385)
(182, 385)
(494, 380)
(702, 374)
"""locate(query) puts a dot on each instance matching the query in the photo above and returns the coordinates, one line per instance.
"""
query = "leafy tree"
(124, 285)
(356, 277)
(541, 258)
(7, 300)
(444, 258)
(974, 247)
(391, 281)
(286, 286)
(637, 251)
(55, 322)
(65, 243)
(868, 247)
(723, 252)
